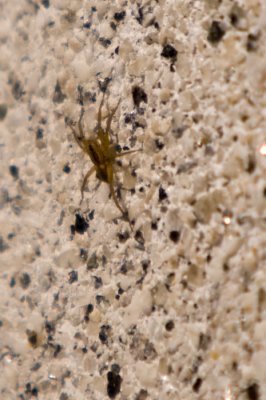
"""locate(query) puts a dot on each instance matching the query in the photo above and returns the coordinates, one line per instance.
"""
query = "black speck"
(36, 366)
(93, 9)
(104, 332)
(253, 392)
(49, 327)
(154, 226)
(46, 3)
(14, 171)
(3, 111)
(34, 391)
(89, 308)
(252, 42)
(114, 384)
(159, 144)
(169, 52)
(204, 341)
(169, 326)
(174, 236)
(100, 299)
(139, 95)
(39, 134)
(32, 338)
(58, 96)
(251, 164)
(139, 18)
(162, 194)
(98, 282)
(115, 368)
(63, 396)
(139, 237)
(12, 282)
(113, 26)
(142, 395)
(117, 50)
(92, 262)
(87, 25)
(66, 169)
(197, 384)
(83, 254)
(17, 90)
(119, 16)
(81, 224)
(105, 42)
(25, 280)
(91, 215)
(216, 32)
(72, 277)
(3, 245)
(123, 236)
(57, 349)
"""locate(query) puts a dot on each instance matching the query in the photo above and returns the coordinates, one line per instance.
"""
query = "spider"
(101, 150)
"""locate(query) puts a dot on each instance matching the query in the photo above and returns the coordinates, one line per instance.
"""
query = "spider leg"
(100, 113)
(125, 153)
(81, 132)
(111, 186)
(85, 180)
(111, 115)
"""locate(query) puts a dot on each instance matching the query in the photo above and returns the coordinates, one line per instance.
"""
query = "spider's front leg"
(85, 180)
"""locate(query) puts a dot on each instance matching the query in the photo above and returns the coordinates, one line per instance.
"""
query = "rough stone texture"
(91, 309)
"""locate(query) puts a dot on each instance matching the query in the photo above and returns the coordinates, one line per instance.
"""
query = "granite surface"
(172, 305)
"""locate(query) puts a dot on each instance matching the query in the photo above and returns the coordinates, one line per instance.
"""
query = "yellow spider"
(101, 150)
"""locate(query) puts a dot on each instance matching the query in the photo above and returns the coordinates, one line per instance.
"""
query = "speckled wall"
(154, 286)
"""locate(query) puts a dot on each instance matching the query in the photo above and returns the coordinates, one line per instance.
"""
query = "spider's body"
(102, 152)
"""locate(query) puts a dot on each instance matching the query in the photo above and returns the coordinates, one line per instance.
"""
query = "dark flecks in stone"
(216, 32)
(39, 134)
(169, 326)
(87, 25)
(66, 169)
(58, 96)
(169, 52)
(162, 194)
(139, 95)
(25, 280)
(197, 384)
(14, 171)
(72, 277)
(119, 16)
(17, 90)
(81, 224)
(113, 384)
(32, 338)
(3, 245)
(12, 282)
(105, 42)
(46, 3)
(123, 236)
(139, 18)
(159, 144)
(252, 42)
(98, 282)
(83, 254)
(142, 395)
(174, 236)
(253, 392)
(105, 331)
(3, 111)
(92, 262)
(57, 349)
(204, 341)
